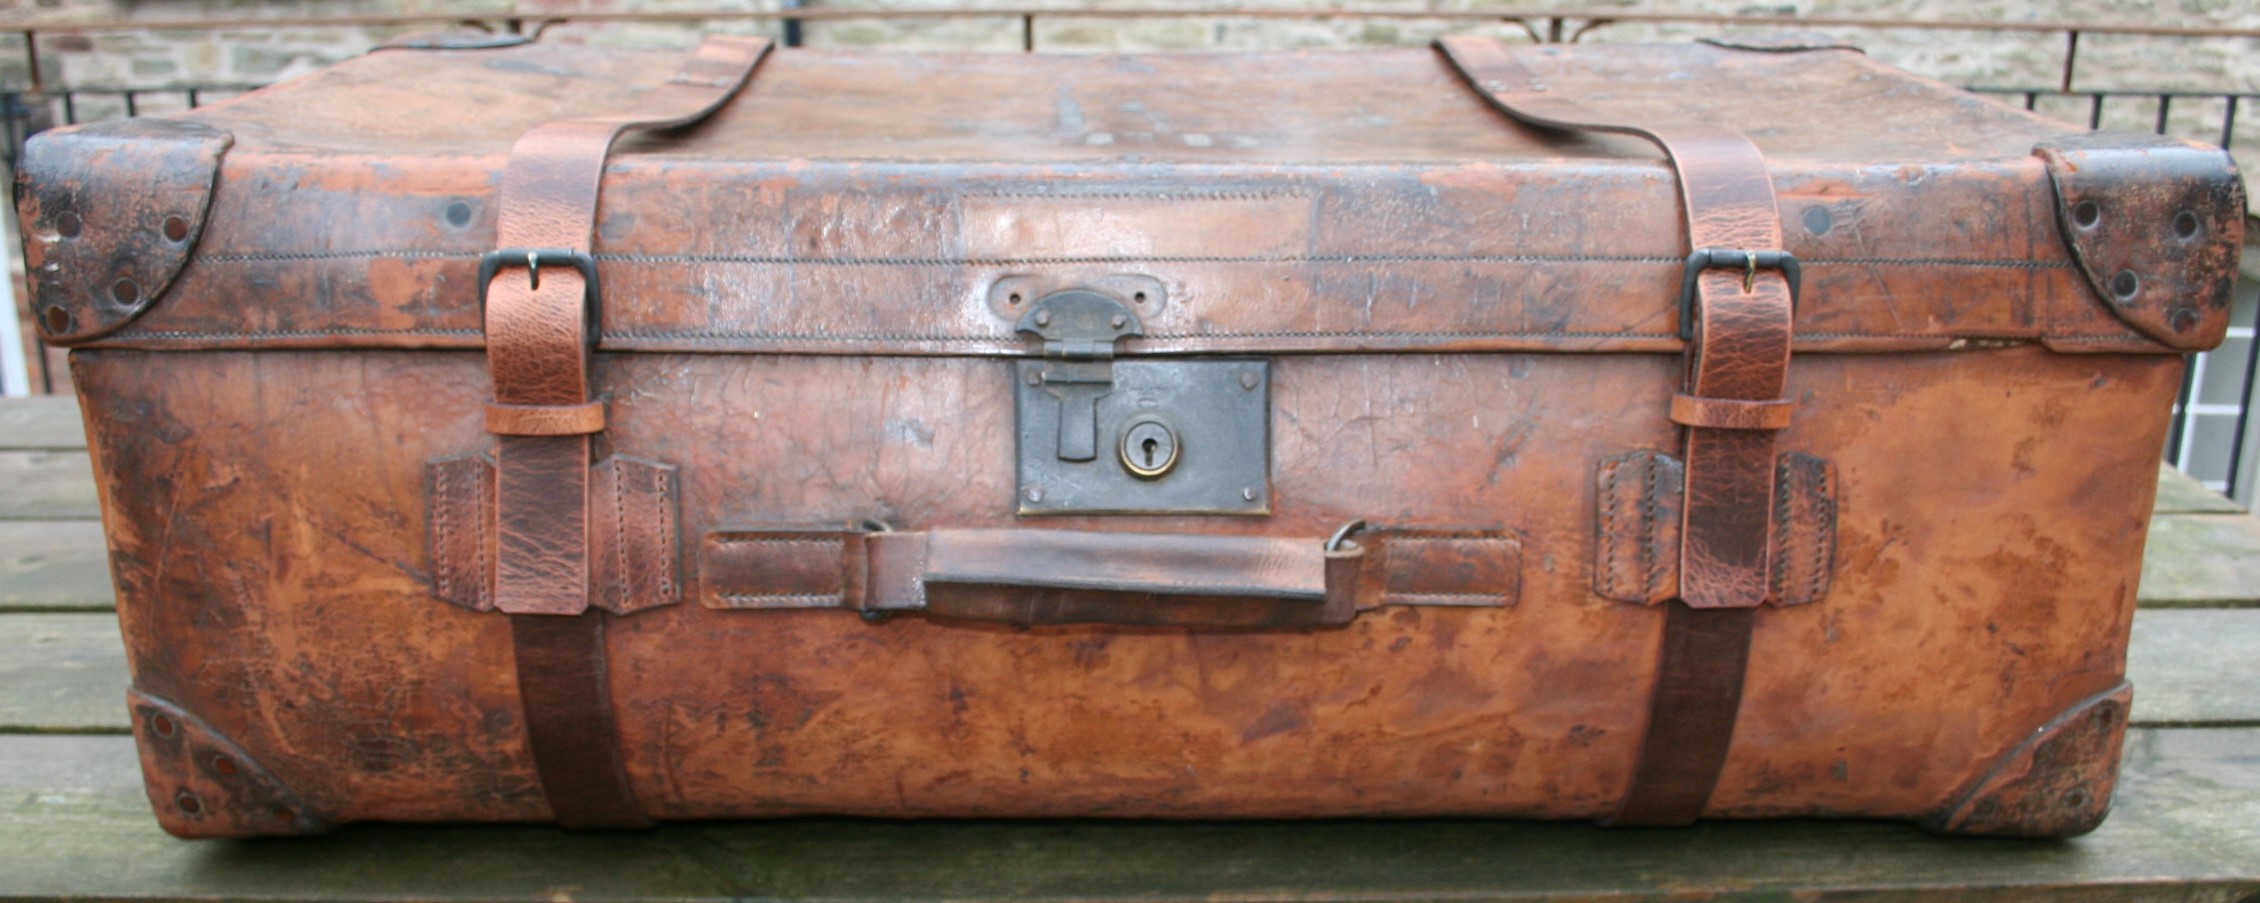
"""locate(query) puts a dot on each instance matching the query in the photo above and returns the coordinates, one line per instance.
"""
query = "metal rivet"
(58, 320)
(67, 224)
(1118, 321)
(1043, 318)
(1248, 494)
(2076, 798)
(1249, 379)
(176, 229)
(1035, 377)
(163, 726)
(1033, 493)
(1818, 220)
(2086, 214)
(1013, 299)
(224, 766)
(125, 291)
(188, 802)
(459, 214)
(2185, 319)
(2185, 225)
(2126, 284)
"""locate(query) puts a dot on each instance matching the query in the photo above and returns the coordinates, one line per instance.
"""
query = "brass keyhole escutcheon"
(1149, 448)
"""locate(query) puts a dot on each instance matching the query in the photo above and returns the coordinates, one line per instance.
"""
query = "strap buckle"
(533, 259)
(1749, 262)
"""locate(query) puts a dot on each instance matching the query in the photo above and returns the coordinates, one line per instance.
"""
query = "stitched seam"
(1410, 595)
(799, 597)
(1401, 539)
(728, 335)
(440, 506)
(620, 531)
(482, 575)
(1649, 539)
(1939, 262)
(288, 256)
(299, 333)
(770, 260)
(780, 540)
(664, 531)
(1785, 485)
(1609, 529)
(1825, 540)
(297, 256)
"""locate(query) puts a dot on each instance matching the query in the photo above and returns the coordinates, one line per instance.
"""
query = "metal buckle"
(533, 259)
(1749, 262)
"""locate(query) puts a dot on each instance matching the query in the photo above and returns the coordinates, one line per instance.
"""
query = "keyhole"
(1149, 448)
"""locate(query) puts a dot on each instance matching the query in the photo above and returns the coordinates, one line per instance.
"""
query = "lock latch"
(1079, 329)
(1180, 436)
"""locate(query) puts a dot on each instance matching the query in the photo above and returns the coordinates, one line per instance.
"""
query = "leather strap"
(541, 302)
(1737, 366)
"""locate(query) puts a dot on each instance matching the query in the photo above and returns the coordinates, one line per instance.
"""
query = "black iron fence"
(2212, 416)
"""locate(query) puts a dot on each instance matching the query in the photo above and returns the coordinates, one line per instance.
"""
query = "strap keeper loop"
(545, 420)
(1729, 413)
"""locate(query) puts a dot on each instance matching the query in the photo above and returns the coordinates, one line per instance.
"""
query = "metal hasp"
(1180, 437)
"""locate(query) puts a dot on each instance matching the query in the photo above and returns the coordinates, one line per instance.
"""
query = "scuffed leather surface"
(269, 551)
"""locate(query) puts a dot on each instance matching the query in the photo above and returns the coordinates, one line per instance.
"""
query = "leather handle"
(1138, 579)
(1032, 577)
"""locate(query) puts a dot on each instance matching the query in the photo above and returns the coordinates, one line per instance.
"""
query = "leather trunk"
(882, 345)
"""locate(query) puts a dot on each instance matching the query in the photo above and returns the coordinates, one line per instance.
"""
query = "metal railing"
(27, 108)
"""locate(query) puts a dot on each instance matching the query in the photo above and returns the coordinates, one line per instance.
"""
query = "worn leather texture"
(799, 321)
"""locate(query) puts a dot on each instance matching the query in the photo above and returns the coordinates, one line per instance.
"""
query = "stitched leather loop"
(1729, 413)
(545, 419)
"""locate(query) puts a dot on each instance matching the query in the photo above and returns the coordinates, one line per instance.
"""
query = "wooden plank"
(41, 423)
(47, 485)
(62, 673)
(54, 566)
(2202, 561)
(74, 823)
(2196, 667)
(2179, 493)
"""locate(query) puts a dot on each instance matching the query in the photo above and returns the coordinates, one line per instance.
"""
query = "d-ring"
(1335, 542)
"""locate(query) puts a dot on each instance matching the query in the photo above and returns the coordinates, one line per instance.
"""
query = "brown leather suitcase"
(1619, 433)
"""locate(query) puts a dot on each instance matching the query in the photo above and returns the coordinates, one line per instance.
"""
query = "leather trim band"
(1738, 351)
(545, 420)
(1729, 413)
(539, 330)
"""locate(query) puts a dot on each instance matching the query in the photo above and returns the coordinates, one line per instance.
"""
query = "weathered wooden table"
(74, 823)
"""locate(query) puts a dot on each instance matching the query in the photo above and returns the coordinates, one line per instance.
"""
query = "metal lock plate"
(1160, 437)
